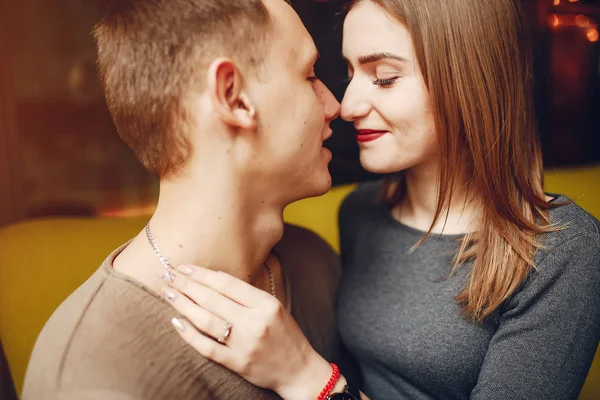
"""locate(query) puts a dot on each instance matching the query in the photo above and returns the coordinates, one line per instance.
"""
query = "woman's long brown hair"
(476, 63)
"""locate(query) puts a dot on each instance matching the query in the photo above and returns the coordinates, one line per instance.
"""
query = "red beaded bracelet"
(335, 375)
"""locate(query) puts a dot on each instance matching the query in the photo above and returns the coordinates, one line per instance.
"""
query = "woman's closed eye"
(385, 82)
(377, 81)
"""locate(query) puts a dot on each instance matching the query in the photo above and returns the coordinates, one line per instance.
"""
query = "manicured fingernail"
(186, 270)
(169, 294)
(178, 324)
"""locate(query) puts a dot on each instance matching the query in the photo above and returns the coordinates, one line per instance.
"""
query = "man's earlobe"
(246, 112)
(227, 91)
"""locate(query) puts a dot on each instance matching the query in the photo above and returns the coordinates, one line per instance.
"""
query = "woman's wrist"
(310, 381)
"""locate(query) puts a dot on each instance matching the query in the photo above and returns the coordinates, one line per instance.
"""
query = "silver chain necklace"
(169, 274)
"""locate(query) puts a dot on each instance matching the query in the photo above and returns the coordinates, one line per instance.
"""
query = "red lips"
(368, 135)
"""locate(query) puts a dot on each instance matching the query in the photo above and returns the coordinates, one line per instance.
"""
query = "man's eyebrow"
(378, 57)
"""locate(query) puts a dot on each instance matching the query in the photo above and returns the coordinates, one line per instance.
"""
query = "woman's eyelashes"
(385, 82)
(377, 81)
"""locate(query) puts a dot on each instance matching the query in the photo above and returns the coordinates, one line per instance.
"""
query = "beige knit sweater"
(112, 338)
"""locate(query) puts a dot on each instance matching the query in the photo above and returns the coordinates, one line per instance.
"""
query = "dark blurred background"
(60, 154)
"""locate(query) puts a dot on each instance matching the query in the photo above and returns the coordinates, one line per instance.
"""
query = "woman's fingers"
(208, 298)
(234, 288)
(204, 345)
(204, 320)
(263, 343)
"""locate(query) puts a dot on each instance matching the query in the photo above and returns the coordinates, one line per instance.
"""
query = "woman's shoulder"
(567, 265)
(572, 222)
(575, 244)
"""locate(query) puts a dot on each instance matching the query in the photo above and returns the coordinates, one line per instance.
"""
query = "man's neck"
(216, 223)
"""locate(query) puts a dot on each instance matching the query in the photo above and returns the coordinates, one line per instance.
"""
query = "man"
(219, 99)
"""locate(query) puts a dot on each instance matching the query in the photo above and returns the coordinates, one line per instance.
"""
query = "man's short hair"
(151, 52)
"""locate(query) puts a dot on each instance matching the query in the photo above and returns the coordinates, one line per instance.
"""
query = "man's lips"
(368, 135)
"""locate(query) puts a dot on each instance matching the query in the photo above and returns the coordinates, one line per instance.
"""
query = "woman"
(462, 279)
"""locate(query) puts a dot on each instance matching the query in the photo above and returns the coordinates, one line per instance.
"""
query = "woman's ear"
(227, 91)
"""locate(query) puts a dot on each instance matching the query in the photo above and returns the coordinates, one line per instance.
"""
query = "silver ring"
(225, 334)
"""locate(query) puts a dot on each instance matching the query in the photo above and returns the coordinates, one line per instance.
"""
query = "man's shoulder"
(298, 238)
(54, 338)
(113, 337)
(299, 243)
(305, 256)
(54, 341)
(110, 336)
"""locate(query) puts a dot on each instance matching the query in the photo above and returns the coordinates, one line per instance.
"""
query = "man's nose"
(331, 105)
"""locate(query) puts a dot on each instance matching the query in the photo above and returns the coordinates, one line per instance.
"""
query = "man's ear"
(228, 93)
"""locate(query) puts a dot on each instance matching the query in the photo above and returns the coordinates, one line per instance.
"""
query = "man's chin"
(325, 152)
(323, 187)
(317, 187)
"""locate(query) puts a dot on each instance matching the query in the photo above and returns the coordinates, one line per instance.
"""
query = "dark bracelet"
(347, 393)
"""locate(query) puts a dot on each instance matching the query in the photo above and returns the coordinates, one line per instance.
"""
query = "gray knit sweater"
(398, 316)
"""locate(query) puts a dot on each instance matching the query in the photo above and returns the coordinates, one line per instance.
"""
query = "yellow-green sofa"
(44, 260)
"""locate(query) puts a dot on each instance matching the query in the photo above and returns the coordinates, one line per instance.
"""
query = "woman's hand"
(248, 331)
